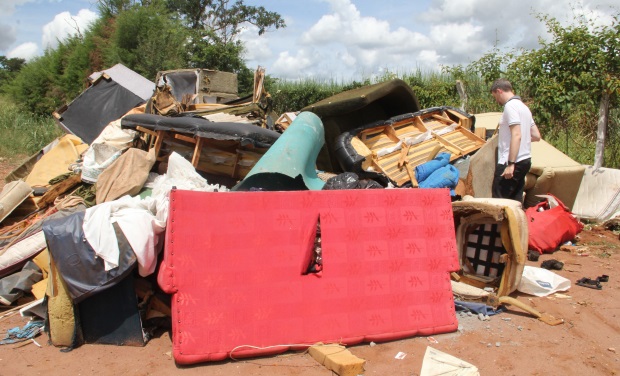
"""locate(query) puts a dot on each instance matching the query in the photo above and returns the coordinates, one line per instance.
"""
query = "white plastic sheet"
(541, 282)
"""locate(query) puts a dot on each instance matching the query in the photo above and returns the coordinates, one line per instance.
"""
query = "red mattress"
(235, 263)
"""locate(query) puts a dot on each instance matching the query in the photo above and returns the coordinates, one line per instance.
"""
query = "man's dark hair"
(501, 83)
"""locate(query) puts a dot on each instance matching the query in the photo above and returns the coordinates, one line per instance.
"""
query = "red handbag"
(550, 224)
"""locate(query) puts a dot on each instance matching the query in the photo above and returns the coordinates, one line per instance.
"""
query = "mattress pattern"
(236, 264)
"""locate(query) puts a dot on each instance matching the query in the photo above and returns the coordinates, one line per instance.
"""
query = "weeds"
(22, 133)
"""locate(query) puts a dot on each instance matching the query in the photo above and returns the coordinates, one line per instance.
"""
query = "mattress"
(598, 198)
(13, 194)
(236, 264)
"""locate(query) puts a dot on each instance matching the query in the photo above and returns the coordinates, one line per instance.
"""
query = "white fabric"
(144, 229)
(419, 138)
(113, 135)
(391, 149)
(141, 220)
(22, 250)
(182, 175)
(515, 112)
(447, 129)
(138, 224)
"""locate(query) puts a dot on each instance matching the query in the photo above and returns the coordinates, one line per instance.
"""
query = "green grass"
(22, 133)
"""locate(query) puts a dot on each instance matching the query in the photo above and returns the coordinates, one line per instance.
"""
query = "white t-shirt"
(515, 113)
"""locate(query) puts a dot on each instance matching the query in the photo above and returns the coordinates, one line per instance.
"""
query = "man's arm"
(535, 133)
(515, 144)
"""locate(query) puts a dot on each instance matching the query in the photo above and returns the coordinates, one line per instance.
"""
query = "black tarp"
(97, 106)
(82, 270)
(111, 317)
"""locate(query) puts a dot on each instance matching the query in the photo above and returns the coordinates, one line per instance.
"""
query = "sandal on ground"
(603, 278)
(590, 283)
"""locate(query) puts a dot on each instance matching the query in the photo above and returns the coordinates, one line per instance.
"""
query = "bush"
(24, 133)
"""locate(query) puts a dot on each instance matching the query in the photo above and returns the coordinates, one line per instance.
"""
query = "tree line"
(571, 82)
(146, 36)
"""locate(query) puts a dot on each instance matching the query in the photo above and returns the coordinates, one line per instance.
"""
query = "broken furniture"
(598, 198)
(491, 238)
(353, 108)
(110, 96)
(213, 96)
(552, 172)
(387, 255)
(192, 86)
(218, 148)
(12, 195)
(395, 147)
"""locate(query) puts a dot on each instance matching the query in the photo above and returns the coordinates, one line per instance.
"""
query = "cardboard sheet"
(236, 265)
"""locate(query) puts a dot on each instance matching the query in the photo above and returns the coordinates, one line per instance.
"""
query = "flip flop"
(603, 278)
(589, 283)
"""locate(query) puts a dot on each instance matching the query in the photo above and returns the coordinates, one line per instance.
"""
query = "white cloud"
(8, 6)
(366, 42)
(256, 46)
(65, 25)
(290, 67)
(26, 51)
(458, 41)
(7, 36)
(505, 24)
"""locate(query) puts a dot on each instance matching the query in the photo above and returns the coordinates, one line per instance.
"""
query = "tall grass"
(432, 88)
(22, 133)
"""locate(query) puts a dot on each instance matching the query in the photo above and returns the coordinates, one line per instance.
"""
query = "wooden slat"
(197, 151)
(400, 164)
(58, 189)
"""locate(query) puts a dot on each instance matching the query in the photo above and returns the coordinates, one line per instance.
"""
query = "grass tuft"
(23, 133)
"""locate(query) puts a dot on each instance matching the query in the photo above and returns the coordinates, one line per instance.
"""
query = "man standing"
(517, 130)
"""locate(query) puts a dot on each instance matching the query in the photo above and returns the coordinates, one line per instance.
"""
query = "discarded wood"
(58, 190)
(544, 317)
(11, 311)
(338, 359)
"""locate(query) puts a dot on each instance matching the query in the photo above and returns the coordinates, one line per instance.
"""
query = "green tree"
(216, 25)
(34, 88)
(9, 67)
(111, 8)
(224, 20)
(579, 66)
(147, 39)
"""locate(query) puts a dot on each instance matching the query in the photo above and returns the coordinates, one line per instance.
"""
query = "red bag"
(550, 226)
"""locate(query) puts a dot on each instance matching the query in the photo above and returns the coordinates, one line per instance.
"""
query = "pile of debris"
(362, 217)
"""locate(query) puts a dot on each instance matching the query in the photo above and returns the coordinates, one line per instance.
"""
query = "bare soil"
(510, 343)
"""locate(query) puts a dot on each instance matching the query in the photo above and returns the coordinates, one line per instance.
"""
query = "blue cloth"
(30, 330)
(444, 177)
(423, 171)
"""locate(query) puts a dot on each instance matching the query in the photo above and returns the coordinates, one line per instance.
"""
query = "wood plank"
(185, 138)
(197, 151)
(59, 189)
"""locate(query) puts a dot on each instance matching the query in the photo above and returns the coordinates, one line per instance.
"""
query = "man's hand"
(508, 171)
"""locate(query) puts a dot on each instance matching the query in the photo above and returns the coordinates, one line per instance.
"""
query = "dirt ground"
(510, 343)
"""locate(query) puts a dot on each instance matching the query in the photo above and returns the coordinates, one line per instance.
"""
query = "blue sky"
(337, 39)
